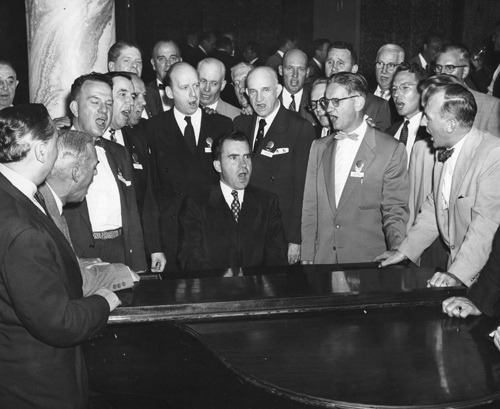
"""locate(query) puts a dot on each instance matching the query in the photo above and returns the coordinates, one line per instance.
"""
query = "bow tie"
(445, 155)
(342, 135)
(161, 86)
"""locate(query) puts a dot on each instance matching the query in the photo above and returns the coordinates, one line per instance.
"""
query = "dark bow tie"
(445, 155)
(161, 86)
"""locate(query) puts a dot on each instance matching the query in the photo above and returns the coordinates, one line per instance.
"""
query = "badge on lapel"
(267, 150)
(136, 163)
(208, 148)
(358, 170)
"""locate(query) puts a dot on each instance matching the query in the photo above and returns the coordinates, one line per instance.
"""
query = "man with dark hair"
(222, 52)
(316, 63)
(43, 315)
(295, 93)
(454, 60)
(231, 225)
(431, 46)
(251, 54)
(356, 192)
(287, 41)
(125, 55)
(106, 224)
(341, 57)
(8, 84)
(205, 48)
(165, 53)
(464, 207)
(280, 140)
(181, 141)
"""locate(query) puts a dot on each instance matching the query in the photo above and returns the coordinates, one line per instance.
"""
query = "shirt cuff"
(110, 297)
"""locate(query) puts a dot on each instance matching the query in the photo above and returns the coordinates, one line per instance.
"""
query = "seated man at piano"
(231, 224)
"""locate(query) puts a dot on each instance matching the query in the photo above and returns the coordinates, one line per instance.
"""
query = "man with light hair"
(212, 73)
(238, 76)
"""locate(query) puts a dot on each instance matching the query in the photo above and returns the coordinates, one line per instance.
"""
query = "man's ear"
(217, 166)
(223, 85)
(466, 72)
(359, 103)
(75, 173)
(280, 70)
(354, 68)
(169, 92)
(40, 149)
(111, 66)
(73, 107)
(450, 125)
(279, 88)
(153, 64)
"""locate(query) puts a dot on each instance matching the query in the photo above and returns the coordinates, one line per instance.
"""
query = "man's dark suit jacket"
(77, 214)
(284, 173)
(178, 172)
(395, 117)
(379, 111)
(303, 111)
(485, 292)
(43, 316)
(153, 99)
(210, 238)
(138, 148)
(315, 71)
(227, 94)
(421, 133)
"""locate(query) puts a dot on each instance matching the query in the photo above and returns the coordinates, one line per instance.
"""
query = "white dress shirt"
(422, 61)
(269, 120)
(24, 185)
(118, 136)
(382, 94)
(448, 169)
(344, 157)
(195, 121)
(413, 127)
(228, 196)
(287, 98)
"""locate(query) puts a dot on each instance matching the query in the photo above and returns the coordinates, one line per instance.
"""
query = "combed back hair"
(77, 85)
(253, 47)
(207, 36)
(20, 125)
(8, 64)
(215, 61)
(116, 49)
(224, 43)
(434, 81)
(163, 41)
(241, 65)
(353, 83)
(458, 101)
(414, 68)
(71, 144)
(393, 48)
(319, 42)
(218, 144)
(124, 74)
(342, 45)
(320, 80)
(460, 49)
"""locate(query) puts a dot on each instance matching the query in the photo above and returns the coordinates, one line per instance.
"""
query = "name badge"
(137, 166)
(281, 151)
(266, 153)
(208, 150)
(357, 174)
(123, 180)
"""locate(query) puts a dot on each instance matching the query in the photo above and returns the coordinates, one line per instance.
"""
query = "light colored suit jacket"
(228, 110)
(372, 212)
(474, 209)
(488, 113)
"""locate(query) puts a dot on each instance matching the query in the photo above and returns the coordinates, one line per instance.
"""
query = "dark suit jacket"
(138, 148)
(379, 111)
(77, 214)
(284, 174)
(210, 238)
(43, 316)
(485, 292)
(421, 133)
(227, 94)
(496, 88)
(274, 61)
(315, 71)
(395, 117)
(178, 172)
(153, 99)
(303, 111)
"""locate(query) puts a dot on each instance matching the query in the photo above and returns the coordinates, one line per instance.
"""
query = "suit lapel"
(365, 154)
(222, 211)
(329, 173)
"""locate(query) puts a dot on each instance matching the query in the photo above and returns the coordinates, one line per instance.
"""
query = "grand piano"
(329, 336)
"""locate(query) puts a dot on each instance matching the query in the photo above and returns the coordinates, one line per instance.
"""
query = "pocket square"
(280, 151)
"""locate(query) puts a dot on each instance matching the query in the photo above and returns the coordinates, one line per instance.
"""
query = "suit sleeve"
(151, 219)
(395, 192)
(310, 205)
(276, 247)
(304, 139)
(191, 254)
(34, 283)
(485, 292)
(485, 214)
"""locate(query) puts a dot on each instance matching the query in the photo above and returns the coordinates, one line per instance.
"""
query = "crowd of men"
(226, 162)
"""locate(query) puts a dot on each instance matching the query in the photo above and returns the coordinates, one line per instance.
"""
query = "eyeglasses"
(239, 84)
(390, 66)
(313, 104)
(405, 87)
(325, 102)
(448, 68)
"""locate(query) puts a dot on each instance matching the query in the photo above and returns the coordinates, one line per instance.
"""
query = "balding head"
(183, 87)
(294, 70)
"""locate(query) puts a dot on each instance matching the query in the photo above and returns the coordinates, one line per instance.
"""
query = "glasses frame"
(382, 64)
(443, 68)
(325, 102)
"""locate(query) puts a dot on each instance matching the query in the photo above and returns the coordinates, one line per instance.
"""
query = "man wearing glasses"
(165, 54)
(389, 56)
(356, 191)
(454, 60)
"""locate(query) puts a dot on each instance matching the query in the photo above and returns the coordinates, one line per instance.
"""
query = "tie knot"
(235, 194)
(262, 123)
(161, 86)
(187, 119)
(342, 135)
(445, 155)
(406, 123)
(293, 97)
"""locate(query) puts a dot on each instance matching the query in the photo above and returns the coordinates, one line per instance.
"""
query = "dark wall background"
(373, 22)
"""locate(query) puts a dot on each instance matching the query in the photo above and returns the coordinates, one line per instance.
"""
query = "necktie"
(39, 198)
(342, 135)
(189, 134)
(235, 206)
(161, 87)
(292, 107)
(112, 136)
(260, 134)
(382, 93)
(403, 138)
(445, 155)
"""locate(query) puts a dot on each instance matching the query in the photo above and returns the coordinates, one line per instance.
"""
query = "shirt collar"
(270, 118)
(281, 53)
(179, 116)
(226, 191)
(23, 184)
(56, 198)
